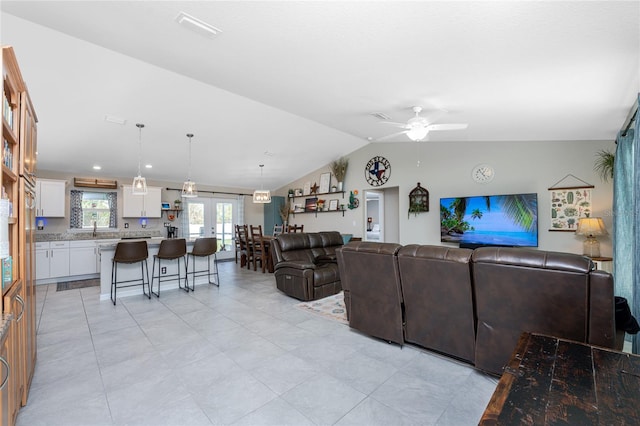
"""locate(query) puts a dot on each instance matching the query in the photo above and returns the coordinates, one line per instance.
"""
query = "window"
(89, 208)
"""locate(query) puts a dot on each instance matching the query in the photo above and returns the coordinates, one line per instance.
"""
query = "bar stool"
(204, 247)
(130, 252)
(170, 249)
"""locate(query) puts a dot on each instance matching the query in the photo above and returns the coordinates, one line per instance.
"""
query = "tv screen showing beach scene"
(499, 220)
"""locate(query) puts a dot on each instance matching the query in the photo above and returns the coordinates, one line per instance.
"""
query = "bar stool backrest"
(205, 246)
(172, 248)
(131, 252)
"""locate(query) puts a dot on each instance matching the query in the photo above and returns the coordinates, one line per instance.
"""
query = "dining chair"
(246, 247)
(277, 230)
(296, 228)
(259, 250)
(238, 244)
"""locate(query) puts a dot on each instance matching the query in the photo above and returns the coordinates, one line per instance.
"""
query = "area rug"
(331, 307)
(70, 285)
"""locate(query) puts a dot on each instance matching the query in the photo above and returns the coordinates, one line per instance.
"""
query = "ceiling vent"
(196, 25)
(380, 115)
(95, 183)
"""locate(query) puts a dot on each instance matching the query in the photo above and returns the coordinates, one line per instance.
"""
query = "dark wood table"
(552, 381)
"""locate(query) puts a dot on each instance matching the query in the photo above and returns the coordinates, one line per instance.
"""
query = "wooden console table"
(551, 381)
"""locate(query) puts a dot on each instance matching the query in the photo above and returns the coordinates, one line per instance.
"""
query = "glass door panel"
(213, 217)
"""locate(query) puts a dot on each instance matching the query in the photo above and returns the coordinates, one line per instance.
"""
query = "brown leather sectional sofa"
(305, 264)
(474, 304)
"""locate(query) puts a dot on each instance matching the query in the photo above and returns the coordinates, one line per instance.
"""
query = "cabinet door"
(82, 260)
(28, 137)
(6, 379)
(42, 264)
(14, 304)
(59, 262)
(153, 202)
(50, 198)
(132, 205)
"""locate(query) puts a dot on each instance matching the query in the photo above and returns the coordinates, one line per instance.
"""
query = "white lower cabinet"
(52, 259)
(83, 257)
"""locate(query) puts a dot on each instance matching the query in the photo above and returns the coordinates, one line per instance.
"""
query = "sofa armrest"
(601, 310)
(325, 258)
(295, 265)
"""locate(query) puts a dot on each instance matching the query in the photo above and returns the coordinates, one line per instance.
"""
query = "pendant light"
(189, 189)
(139, 186)
(261, 195)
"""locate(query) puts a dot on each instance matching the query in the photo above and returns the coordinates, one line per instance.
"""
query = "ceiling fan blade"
(395, 124)
(447, 126)
(393, 135)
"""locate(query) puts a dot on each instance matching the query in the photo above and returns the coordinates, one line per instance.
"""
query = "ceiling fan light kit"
(417, 128)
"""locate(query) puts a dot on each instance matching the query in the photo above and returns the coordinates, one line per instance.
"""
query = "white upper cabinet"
(50, 198)
(149, 205)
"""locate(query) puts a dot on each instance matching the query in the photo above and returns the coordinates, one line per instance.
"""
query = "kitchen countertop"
(101, 235)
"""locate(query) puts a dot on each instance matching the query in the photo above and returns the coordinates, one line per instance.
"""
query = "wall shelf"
(176, 211)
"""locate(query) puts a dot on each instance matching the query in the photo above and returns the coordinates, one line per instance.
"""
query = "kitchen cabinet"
(149, 205)
(50, 198)
(14, 304)
(83, 257)
(52, 259)
(6, 378)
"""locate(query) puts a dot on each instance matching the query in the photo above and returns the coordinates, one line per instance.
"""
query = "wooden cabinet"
(6, 378)
(19, 135)
(50, 198)
(83, 257)
(13, 304)
(149, 205)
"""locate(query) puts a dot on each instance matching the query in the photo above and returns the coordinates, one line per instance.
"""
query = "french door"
(213, 217)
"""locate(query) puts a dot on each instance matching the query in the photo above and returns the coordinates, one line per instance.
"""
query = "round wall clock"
(377, 171)
(482, 173)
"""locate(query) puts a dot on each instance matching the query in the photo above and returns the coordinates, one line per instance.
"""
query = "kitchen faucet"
(95, 228)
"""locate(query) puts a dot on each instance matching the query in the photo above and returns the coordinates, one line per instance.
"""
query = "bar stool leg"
(153, 276)
(142, 267)
(186, 282)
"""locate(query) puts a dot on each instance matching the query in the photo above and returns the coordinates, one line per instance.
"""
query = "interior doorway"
(212, 217)
(381, 215)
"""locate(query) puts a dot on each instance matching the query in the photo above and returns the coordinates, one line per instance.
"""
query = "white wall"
(445, 171)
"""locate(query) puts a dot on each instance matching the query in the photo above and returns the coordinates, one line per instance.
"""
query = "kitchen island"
(132, 271)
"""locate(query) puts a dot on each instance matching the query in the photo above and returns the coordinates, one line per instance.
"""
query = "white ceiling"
(299, 79)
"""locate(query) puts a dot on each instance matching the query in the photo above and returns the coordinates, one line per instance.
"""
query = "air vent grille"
(380, 115)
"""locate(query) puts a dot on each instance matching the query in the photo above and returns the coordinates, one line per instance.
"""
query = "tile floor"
(241, 354)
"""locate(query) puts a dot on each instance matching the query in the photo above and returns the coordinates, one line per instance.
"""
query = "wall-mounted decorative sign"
(569, 203)
(418, 200)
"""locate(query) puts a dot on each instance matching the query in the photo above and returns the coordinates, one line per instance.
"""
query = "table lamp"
(591, 227)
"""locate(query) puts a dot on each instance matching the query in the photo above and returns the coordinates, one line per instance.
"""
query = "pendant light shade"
(189, 189)
(261, 195)
(139, 186)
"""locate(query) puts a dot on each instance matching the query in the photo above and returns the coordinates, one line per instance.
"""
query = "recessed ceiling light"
(115, 120)
(148, 166)
(197, 25)
(96, 167)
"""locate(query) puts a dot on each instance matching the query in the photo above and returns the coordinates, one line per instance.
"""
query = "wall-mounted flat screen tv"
(493, 220)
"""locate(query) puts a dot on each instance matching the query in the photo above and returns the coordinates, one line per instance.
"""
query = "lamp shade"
(189, 189)
(591, 226)
(139, 186)
(262, 196)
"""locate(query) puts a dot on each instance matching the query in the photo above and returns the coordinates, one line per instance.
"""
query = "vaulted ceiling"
(292, 85)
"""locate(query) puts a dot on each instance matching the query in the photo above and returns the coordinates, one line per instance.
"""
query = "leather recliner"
(372, 293)
(305, 264)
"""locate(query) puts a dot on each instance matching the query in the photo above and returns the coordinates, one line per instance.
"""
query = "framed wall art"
(325, 182)
(568, 204)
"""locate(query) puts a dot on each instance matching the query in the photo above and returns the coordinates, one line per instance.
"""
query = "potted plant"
(339, 170)
(604, 164)
(177, 203)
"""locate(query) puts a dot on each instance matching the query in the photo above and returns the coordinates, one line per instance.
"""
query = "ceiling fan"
(417, 128)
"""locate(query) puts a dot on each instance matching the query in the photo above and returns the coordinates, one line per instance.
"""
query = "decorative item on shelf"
(334, 188)
(418, 200)
(307, 188)
(261, 195)
(314, 188)
(311, 204)
(139, 186)
(354, 202)
(177, 203)
(284, 211)
(333, 204)
(291, 193)
(325, 182)
(339, 170)
(591, 227)
(189, 189)
(298, 192)
(569, 202)
(171, 217)
(320, 205)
